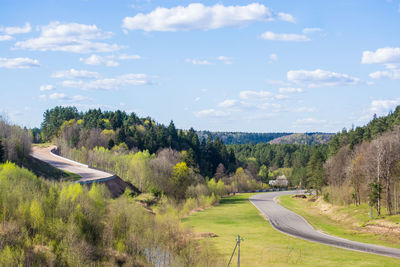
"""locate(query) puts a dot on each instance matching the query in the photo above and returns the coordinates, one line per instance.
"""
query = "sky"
(266, 66)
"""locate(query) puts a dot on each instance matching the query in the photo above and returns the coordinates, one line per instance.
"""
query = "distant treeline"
(230, 138)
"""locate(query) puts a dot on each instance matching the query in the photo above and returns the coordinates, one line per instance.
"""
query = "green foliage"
(48, 224)
(375, 127)
(375, 195)
(1, 152)
(231, 138)
(181, 179)
(129, 132)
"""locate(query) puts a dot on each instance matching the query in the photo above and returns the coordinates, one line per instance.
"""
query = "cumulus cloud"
(197, 16)
(75, 74)
(311, 30)
(248, 94)
(128, 57)
(16, 30)
(381, 107)
(286, 37)
(320, 78)
(290, 90)
(286, 17)
(47, 87)
(198, 62)
(382, 55)
(5, 38)
(392, 74)
(211, 113)
(109, 83)
(18, 63)
(71, 37)
(64, 97)
(100, 60)
(227, 103)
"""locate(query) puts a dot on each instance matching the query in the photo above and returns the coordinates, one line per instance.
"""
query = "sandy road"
(292, 224)
(88, 174)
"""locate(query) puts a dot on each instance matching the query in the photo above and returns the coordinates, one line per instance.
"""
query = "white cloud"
(64, 97)
(248, 94)
(227, 103)
(197, 99)
(225, 60)
(381, 55)
(75, 74)
(393, 74)
(18, 63)
(273, 57)
(47, 87)
(311, 30)
(198, 62)
(281, 96)
(381, 107)
(100, 60)
(211, 113)
(109, 83)
(309, 121)
(286, 17)
(290, 90)
(320, 78)
(71, 37)
(196, 16)
(16, 30)
(5, 38)
(127, 57)
(287, 37)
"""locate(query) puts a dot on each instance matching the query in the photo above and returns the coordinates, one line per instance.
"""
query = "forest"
(50, 222)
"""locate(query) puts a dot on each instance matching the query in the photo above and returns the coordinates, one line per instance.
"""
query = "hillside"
(234, 138)
(304, 139)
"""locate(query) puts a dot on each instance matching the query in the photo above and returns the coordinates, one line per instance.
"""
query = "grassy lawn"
(264, 246)
(346, 222)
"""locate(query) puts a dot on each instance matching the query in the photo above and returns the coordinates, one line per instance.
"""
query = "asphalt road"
(292, 224)
(87, 174)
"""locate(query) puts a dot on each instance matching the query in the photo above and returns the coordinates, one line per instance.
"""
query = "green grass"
(263, 245)
(349, 226)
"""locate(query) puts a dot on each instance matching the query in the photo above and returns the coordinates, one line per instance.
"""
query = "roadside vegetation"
(263, 245)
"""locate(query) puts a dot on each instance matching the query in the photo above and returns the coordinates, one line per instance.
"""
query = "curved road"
(292, 224)
(88, 174)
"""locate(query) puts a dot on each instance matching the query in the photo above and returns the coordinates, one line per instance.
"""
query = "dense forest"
(231, 138)
(110, 129)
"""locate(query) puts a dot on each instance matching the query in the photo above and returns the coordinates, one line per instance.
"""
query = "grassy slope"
(264, 246)
(348, 223)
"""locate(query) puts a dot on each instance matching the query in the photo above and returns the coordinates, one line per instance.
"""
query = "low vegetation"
(65, 224)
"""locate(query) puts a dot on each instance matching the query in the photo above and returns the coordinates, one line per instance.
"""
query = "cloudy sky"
(262, 66)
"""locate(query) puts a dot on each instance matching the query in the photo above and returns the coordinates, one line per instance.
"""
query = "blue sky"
(266, 66)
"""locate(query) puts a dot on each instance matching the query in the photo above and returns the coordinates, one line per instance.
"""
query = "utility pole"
(238, 242)
(238, 239)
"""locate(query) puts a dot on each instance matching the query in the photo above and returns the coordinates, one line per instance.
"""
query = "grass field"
(346, 222)
(264, 246)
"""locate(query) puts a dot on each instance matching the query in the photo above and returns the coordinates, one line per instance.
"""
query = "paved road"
(292, 224)
(88, 174)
